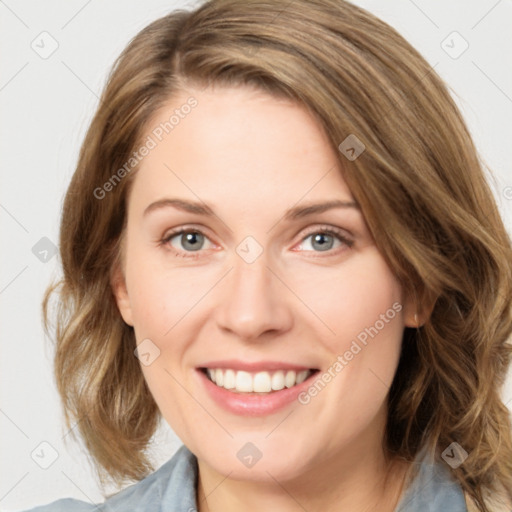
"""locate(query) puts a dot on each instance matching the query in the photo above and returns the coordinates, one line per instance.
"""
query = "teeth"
(290, 378)
(278, 380)
(262, 382)
(259, 382)
(302, 376)
(229, 379)
(243, 381)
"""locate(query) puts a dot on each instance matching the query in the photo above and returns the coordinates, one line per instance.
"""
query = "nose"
(254, 303)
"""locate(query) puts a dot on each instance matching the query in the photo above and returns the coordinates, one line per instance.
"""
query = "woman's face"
(267, 288)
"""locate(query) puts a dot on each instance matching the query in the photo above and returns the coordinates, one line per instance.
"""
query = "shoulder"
(65, 505)
(431, 488)
(172, 486)
(499, 503)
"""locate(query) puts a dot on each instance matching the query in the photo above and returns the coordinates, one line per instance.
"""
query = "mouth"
(256, 383)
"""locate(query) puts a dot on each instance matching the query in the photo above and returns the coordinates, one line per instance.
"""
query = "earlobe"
(120, 291)
(415, 313)
(411, 317)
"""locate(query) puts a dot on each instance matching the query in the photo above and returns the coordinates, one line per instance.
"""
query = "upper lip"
(254, 366)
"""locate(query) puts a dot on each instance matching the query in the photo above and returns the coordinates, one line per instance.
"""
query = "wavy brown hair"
(420, 185)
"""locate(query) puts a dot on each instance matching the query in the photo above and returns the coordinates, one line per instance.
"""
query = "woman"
(279, 238)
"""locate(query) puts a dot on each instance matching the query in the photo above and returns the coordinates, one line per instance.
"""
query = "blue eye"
(193, 240)
(325, 238)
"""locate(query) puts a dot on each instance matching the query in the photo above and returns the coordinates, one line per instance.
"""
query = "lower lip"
(246, 404)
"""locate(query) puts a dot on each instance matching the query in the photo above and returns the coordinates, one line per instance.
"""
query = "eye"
(323, 239)
(190, 240)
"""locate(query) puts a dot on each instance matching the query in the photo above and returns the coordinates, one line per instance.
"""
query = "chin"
(264, 461)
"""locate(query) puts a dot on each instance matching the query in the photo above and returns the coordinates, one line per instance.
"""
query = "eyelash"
(324, 230)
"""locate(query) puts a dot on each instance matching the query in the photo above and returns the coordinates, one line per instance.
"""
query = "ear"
(417, 312)
(118, 284)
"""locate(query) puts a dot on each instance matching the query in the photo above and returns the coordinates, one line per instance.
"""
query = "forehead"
(237, 146)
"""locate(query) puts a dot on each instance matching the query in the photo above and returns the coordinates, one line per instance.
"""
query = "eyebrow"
(296, 212)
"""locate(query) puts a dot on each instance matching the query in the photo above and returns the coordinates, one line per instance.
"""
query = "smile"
(239, 381)
(254, 388)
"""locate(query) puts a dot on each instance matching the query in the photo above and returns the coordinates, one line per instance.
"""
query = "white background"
(46, 105)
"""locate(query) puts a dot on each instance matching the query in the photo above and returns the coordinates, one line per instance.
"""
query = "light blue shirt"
(172, 488)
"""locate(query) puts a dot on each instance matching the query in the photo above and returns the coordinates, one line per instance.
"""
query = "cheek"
(160, 295)
(360, 296)
(366, 316)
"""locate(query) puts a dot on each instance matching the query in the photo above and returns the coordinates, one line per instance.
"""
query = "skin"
(251, 157)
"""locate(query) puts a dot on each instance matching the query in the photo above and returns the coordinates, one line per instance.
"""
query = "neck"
(355, 482)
